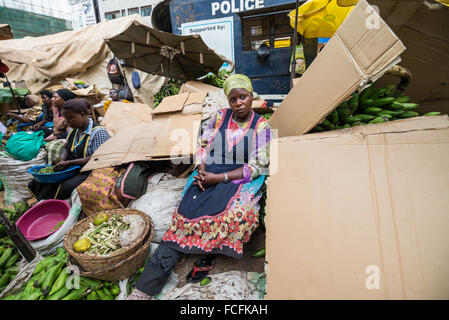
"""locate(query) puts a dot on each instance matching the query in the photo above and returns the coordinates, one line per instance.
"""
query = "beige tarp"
(80, 54)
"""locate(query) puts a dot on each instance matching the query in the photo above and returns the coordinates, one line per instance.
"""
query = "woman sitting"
(59, 123)
(83, 140)
(45, 122)
(34, 113)
(219, 209)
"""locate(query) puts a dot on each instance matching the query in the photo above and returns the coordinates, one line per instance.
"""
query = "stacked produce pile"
(50, 281)
(171, 88)
(13, 213)
(9, 259)
(372, 105)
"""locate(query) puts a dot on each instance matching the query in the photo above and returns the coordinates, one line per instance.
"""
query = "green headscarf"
(237, 81)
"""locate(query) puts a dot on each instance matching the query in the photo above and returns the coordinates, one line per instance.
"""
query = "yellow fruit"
(82, 245)
(100, 218)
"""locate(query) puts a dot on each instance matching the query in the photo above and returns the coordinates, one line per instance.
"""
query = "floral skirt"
(221, 234)
(97, 192)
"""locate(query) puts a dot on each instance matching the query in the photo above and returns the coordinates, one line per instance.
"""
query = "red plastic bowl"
(38, 222)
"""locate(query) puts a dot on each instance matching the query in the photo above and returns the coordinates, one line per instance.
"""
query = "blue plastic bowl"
(54, 177)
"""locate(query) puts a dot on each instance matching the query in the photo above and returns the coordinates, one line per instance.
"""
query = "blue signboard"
(255, 34)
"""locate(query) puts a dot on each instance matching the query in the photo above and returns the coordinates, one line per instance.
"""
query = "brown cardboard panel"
(361, 213)
(353, 56)
(172, 103)
(162, 138)
(121, 115)
(424, 31)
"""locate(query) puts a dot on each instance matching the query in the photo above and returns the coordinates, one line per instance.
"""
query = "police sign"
(233, 6)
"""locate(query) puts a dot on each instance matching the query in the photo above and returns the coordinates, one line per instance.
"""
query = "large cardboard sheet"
(361, 213)
(121, 115)
(357, 53)
(173, 136)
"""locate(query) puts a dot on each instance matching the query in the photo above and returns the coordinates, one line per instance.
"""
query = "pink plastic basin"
(38, 222)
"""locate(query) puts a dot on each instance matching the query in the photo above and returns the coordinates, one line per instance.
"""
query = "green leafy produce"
(46, 170)
(171, 88)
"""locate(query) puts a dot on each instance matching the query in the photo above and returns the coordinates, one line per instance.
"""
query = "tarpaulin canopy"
(45, 61)
(167, 54)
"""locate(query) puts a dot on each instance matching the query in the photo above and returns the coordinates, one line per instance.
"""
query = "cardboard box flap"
(360, 216)
(356, 53)
(196, 98)
(164, 137)
(173, 103)
(122, 115)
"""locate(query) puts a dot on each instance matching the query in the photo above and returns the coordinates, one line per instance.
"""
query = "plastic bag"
(232, 285)
(15, 178)
(136, 228)
(160, 201)
(25, 145)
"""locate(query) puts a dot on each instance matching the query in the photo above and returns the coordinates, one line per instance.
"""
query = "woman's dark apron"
(64, 190)
(216, 199)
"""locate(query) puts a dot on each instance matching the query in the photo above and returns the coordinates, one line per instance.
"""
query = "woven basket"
(97, 263)
(123, 269)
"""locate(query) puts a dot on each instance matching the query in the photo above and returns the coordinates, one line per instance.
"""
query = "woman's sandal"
(200, 270)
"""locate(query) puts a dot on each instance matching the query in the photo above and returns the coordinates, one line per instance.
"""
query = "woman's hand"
(206, 179)
(60, 166)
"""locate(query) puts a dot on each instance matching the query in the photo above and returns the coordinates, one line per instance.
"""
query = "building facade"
(112, 9)
(34, 17)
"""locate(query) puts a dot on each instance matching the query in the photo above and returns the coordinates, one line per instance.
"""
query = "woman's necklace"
(77, 143)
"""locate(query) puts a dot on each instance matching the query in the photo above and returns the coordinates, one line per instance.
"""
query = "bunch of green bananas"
(216, 80)
(13, 213)
(267, 116)
(372, 105)
(49, 282)
(171, 88)
(9, 259)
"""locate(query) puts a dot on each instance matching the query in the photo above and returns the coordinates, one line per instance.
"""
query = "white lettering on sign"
(224, 7)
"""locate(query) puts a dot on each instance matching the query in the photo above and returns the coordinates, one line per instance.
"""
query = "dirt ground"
(222, 263)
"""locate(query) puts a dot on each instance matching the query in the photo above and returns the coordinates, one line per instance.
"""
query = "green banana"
(354, 102)
(32, 296)
(52, 274)
(382, 102)
(378, 93)
(1, 250)
(12, 261)
(333, 117)
(40, 280)
(6, 256)
(45, 264)
(60, 281)
(5, 279)
(367, 103)
(115, 289)
(365, 94)
(430, 114)
(13, 270)
(61, 293)
(403, 99)
(397, 106)
(354, 119)
(104, 295)
(365, 117)
(94, 284)
(77, 294)
(93, 296)
(377, 120)
(409, 106)
(319, 128)
(409, 114)
(385, 115)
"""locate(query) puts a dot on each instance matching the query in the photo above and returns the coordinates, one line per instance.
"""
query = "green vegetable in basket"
(46, 170)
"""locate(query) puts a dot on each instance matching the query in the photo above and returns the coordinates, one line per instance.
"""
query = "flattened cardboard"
(185, 103)
(361, 213)
(121, 115)
(162, 138)
(354, 55)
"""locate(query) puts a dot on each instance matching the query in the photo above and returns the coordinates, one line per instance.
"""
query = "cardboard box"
(121, 115)
(183, 103)
(423, 28)
(172, 136)
(355, 55)
(361, 213)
